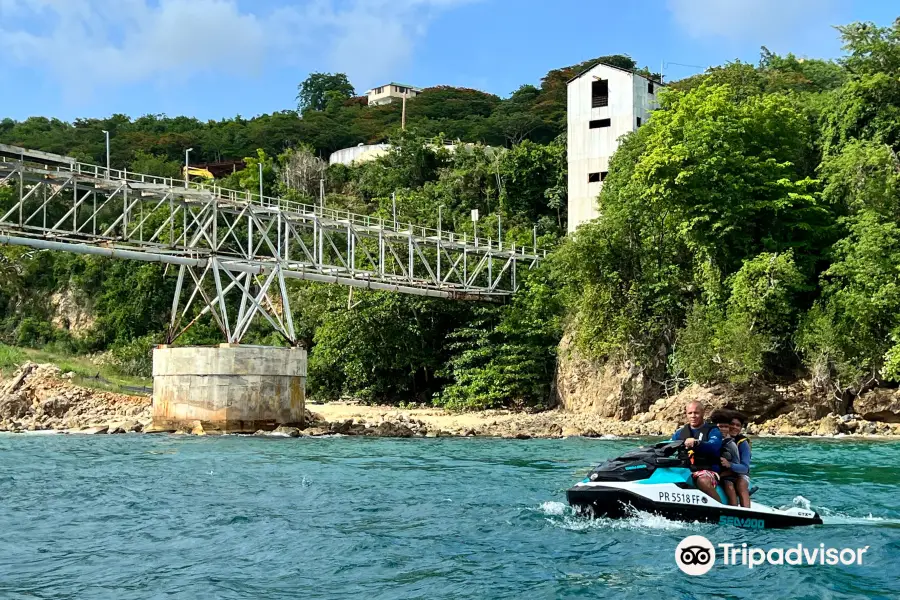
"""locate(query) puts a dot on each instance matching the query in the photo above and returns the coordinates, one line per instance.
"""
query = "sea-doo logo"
(745, 523)
(695, 555)
(682, 498)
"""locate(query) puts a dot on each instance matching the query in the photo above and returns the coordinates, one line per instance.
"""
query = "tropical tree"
(313, 92)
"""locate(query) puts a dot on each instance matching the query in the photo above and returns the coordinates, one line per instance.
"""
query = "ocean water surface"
(154, 516)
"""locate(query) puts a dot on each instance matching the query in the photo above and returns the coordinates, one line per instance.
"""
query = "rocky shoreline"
(42, 398)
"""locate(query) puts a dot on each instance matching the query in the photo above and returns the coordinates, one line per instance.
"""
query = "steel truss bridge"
(234, 249)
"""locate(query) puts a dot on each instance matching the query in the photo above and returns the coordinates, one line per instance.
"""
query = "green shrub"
(11, 357)
(712, 347)
(34, 332)
(135, 358)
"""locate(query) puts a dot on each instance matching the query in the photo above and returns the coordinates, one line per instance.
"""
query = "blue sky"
(219, 58)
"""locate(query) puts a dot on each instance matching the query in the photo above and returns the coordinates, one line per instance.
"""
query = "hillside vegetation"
(750, 231)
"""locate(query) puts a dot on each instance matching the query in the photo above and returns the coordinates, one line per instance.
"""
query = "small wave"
(830, 517)
(635, 520)
(638, 521)
(842, 519)
(801, 502)
(553, 508)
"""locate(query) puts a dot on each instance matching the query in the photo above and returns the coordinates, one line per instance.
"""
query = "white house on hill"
(392, 92)
(604, 103)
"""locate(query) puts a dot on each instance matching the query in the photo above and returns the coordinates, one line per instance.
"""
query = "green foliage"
(130, 299)
(866, 108)
(789, 73)
(762, 294)
(533, 176)
(891, 368)
(730, 172)
(248, 178)
(387, 348)
(774, 74)
(315, 92)
(852, 329)
(731, 341)
(135, 357)
(692, 202)
(151, 164)
(864, 176)
(475, 384)
(871, 49)
(714, 347)
(11, 358)
(506, 356)
(850, 336)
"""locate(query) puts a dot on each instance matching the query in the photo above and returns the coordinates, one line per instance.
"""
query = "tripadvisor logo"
(696, 555)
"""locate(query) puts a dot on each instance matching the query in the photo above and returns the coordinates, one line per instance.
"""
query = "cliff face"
(588, 386)
(72, 311)
(626, 392)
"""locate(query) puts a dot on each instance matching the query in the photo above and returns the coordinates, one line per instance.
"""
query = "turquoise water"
(239, 517)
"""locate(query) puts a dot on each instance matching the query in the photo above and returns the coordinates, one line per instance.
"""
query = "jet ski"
(657, 479)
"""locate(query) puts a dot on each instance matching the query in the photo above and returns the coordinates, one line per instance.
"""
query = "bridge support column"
(229, 388)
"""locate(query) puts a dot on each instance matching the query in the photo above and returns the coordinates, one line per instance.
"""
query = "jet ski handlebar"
(670, 447)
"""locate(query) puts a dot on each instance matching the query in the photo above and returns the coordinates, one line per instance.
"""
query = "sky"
(212, 59)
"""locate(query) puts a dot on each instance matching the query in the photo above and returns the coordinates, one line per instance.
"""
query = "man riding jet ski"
(659, 479)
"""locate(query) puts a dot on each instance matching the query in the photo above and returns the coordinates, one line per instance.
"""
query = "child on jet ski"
(741, 467)
(728, 456)
(704, 440)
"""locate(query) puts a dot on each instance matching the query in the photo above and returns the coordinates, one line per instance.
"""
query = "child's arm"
(743, 467)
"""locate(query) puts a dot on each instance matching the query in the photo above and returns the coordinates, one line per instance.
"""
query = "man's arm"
(713, 444)
(743, 467)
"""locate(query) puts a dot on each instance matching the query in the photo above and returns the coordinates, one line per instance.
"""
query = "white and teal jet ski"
(657, 479)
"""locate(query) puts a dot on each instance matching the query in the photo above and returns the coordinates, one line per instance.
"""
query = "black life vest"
(700, 460)
(741, 438)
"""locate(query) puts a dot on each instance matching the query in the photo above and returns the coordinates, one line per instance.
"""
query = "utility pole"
(187, 170)
(403, 117)
(439, 245)
(394, 203)
(106, 133)
(322, 194)
(499, 234)
(260, 183)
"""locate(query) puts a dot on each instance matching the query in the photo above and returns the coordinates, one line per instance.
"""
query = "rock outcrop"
(72, 311)
(613, 391)
(879, 405)
(759, 402)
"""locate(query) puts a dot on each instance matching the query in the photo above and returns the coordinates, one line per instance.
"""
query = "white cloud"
(762, 21)
(92, 44)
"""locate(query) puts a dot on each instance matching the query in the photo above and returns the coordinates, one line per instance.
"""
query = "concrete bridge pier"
(230, 388)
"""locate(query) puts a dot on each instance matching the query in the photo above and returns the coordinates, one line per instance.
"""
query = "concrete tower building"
(604, 103)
